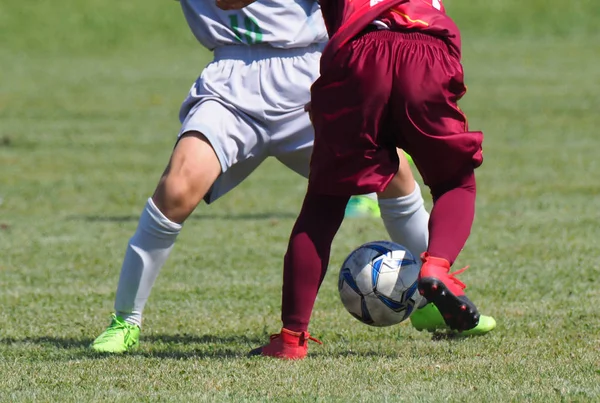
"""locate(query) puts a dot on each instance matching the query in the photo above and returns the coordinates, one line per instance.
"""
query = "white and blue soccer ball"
(378, 283)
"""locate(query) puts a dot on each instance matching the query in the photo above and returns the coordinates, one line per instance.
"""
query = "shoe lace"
(302, 336)
(457, 281)
(115, 327)
(443, 264)
(315, 340)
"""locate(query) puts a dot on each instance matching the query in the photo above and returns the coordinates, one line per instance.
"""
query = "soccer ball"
(378, 283)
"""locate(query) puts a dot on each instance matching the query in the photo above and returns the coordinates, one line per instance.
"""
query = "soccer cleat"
(286, 345)
(429, 318)
(362, 206)
(119, 337)
(441, 287)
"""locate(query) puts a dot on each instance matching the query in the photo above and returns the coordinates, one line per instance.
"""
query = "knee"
(176, 196)
(191, 172)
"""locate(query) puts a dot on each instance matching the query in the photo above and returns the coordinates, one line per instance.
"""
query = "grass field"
(89, 94)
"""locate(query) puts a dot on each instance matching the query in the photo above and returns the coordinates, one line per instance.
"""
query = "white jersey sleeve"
(278, 23)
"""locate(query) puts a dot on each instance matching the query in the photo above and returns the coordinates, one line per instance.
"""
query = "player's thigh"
(238, 142)
(403, 183)
(431, 127)
(352, 152)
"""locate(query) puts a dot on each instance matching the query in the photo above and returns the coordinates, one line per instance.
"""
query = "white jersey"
(278, 23)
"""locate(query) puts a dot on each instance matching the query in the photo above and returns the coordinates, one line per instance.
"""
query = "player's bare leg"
(192, 170)
(189, 175)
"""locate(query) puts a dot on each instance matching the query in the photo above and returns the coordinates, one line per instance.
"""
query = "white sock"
(146, 253)
(406, 221)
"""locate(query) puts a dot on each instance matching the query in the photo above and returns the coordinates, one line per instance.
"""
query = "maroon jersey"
(347, 18)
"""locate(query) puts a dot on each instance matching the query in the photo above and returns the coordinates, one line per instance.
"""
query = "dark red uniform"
(378, 90)
(382, 89)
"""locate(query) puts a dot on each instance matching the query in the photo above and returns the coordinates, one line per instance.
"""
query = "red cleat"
(441, 287)
(286, 345)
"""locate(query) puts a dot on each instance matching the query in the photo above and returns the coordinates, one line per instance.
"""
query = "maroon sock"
(451, 217)
(307, 257)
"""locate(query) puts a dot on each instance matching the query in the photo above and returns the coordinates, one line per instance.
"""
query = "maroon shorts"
(385, 90)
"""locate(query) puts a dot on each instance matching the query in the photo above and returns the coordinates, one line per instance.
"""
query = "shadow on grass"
(445, 336)
(58, 342)
(187, 346)
(173, 346)
(357, 354)
(199, 339)
(221, 217)
(222, 352)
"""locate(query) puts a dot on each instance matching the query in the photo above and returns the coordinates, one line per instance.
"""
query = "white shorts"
(249, 103)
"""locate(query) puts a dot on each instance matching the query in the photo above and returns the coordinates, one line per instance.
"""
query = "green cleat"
(119, 337)
(362, 206)
(429, 318)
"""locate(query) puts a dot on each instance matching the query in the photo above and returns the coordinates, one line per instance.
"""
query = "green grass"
(88, 115)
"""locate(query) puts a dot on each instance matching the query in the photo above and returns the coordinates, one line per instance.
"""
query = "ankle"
(130, 318)
(300, 338)
(426, 258)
